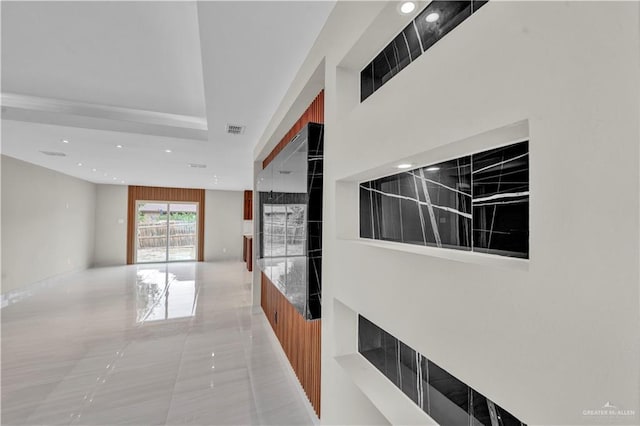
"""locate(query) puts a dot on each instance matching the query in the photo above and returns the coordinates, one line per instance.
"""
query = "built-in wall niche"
(478, 202)
(447, 400)
(432, 24)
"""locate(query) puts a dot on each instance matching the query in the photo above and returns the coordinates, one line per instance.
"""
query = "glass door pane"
(151, 221)
(183, 231)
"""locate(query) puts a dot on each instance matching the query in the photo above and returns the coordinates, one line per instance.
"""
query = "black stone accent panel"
(445, 398)
(428, 206)
(501, 201)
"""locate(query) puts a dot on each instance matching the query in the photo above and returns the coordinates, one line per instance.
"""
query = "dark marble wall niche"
(427, 206)
(289, 242)
(478, 202)
(431, 25)
(442, 396)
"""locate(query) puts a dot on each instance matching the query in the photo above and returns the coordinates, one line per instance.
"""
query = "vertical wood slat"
(313, 114)
(249, 260)
(153, 193)
(244, 248)
(248, 205)
(299, 338)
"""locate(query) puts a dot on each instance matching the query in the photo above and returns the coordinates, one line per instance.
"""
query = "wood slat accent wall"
(153, 193)
(313, 114)
(299, 338)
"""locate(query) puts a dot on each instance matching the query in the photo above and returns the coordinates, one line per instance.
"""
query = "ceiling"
(149, 77)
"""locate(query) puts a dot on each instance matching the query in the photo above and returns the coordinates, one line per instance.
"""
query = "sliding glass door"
(183, 231)
(166, 231)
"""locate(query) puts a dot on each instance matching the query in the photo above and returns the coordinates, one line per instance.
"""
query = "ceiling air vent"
(54, 153)
(235, 129)
(197, 166)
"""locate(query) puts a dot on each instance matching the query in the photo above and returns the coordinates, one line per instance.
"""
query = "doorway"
(166, 231)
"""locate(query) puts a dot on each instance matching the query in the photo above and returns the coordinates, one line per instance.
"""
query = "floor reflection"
(162, 295)
(73, 354)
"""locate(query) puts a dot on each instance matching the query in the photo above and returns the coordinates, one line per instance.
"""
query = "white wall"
(111, 225)
(223, 225)
(48, 223)
(552, 339)
(53, 223)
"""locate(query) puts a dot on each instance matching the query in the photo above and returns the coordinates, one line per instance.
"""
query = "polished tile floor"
(146, 345)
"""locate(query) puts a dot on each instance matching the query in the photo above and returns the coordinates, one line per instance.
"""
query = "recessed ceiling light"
(118, 146)
(79, 164)
(407, 7)
(94, 170)
(403, 166)
(168, 151)
(197, 166)
(433, 169)
(121, 181)
(64, 141)
(432, 17)
(115, 178)
(106, 174)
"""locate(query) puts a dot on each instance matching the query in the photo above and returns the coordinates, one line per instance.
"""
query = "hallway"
(146, 344)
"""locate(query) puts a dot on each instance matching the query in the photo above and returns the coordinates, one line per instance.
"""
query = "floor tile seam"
(235, 311)
(49, 394)
(54, 284)
(259, 412)
(171, 395)
(110, 371)
(187, 332)
(119, 354)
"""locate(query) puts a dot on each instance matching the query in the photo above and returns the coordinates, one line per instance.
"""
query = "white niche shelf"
(395, 406)
(448, 254)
